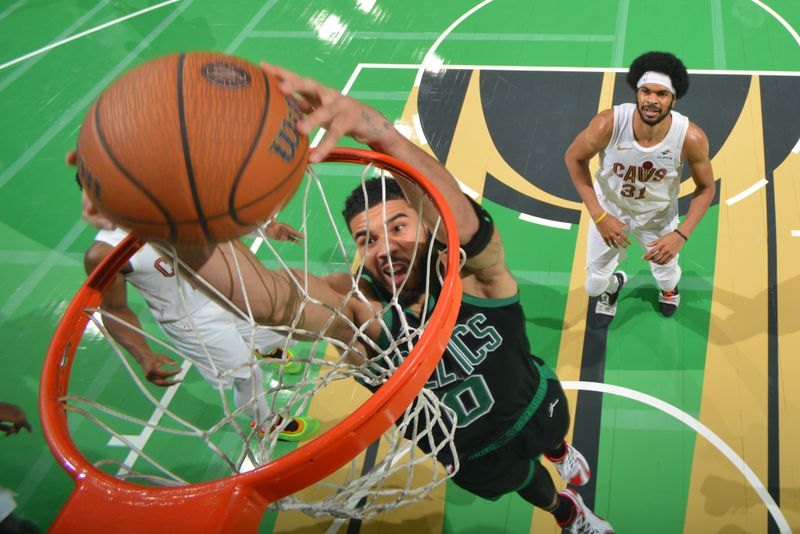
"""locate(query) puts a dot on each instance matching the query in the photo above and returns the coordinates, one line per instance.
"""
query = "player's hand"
(612, 230)
(664, 249)
(283, 232)
(154, 368)
(12, 419)
(327, 108)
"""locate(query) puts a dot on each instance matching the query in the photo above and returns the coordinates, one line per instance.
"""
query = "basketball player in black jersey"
(510, 405)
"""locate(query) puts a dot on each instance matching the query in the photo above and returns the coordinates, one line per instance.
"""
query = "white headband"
(652, 76)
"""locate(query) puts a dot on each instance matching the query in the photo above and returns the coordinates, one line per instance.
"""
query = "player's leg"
(668, 275)
(568, 461)
(601, 279)
(269, 344)
(214, 344)
(567, 507)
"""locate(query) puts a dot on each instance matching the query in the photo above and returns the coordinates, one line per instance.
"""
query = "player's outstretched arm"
(486, 274)
(342, 116)
(278, 298)
(154, 365)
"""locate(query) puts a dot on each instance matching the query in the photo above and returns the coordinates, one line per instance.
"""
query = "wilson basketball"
(192, 148)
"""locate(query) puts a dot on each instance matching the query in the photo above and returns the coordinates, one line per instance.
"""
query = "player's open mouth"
(651, 112)
(398, 271)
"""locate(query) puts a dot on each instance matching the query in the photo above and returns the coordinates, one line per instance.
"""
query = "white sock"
(244, 389)
(613, 284)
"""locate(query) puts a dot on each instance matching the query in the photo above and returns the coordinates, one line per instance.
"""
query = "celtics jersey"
(641, 182)
(487, 374)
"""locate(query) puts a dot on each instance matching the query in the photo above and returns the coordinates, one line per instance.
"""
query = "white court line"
(796, 148)
(698, 427)
(467, 190)
(747, 192)
(779, 19)
(418, 129)
(533, 68)
(10, 9)
(140, 440)
(795, 233)
(430, 56)
(544, 222)
(84, 33)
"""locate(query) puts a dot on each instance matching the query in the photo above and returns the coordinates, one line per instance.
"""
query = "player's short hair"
(663, 62)
(355, 203)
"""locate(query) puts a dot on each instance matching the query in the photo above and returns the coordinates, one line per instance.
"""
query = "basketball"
(191, 148)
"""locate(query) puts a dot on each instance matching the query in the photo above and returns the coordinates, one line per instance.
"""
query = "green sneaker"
(289, 367)
(299, 429)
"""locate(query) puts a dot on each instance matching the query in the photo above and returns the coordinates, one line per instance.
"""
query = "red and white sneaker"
(584, 521)
(572, 466)
(668, 302)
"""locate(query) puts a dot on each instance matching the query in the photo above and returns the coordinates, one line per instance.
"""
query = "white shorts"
(602, 260)
(220, 344)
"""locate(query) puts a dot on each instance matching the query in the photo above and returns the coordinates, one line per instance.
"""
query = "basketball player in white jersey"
(217, 341)
(642, 148)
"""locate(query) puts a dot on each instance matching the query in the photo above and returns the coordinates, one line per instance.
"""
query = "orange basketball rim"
(103, 503)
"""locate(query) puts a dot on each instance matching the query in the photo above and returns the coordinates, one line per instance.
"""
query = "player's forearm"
(701, 200)
(131, 340)
(582, 180)
(275, 298)
(394, 144)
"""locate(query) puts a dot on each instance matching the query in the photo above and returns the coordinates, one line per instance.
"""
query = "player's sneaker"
(572, 466)
(668, 301)
(299, 429)
(606, 306)
(584, 521)
(289, 367)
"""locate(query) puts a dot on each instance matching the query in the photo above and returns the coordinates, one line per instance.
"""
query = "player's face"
(388, 248)
(654, 102)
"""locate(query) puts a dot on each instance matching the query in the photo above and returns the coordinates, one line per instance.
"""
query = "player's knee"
(595, 285)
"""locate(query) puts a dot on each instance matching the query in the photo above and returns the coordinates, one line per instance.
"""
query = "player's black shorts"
(511, 467)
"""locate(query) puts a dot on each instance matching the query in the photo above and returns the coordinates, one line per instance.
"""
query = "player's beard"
(652, 122)
(413, 287)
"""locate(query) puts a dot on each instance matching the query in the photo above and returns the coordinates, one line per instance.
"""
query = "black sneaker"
(606, 306)
(668, 302)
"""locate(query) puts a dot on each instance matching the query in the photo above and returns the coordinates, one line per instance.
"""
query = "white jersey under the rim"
(153, 275)
(642, 182)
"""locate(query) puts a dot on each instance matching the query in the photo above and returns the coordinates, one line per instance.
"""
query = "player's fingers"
(323, 149)
(320, 117)
(305, 105)
(281, 74)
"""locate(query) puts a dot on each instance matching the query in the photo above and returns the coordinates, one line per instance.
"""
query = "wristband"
(681, 234)
(603, 216)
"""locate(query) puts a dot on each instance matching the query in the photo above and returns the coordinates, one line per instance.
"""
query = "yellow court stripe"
(473, 153)
(734, 398)
(787, 219)
(570, 353)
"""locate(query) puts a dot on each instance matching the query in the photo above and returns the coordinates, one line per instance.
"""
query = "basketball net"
(195, 433)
